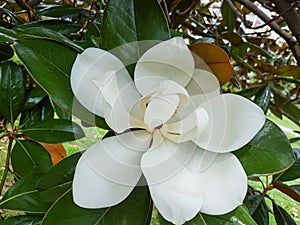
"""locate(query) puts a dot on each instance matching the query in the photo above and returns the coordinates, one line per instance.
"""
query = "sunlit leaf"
(215, 58)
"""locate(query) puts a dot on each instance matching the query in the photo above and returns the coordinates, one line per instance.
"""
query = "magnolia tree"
(180, 90)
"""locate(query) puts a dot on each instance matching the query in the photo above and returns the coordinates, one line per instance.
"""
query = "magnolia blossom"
(172, 126)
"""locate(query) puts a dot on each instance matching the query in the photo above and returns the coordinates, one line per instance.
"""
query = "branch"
(290, 15)
(290, 40)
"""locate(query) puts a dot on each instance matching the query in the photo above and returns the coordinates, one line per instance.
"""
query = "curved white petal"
(203, 86)
(233, 122)
(108, 171)
(170, 60)
(122, 97)
(89, 74)
(223, 181)
(159, 110)
(174, 190)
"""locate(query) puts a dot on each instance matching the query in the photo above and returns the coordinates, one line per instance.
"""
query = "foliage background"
(39, 41)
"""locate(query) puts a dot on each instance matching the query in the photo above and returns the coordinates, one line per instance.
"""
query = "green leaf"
(29, 157)
(269, 152)
(289, 71)
(22, 220)
(237, 217)
(54, 131)
(136, 21)
(293, 172)
(250, 91)
(229, 16)
(34, 96)
(134, 210)
(12, 89)
(285, 104)
(258, 50)
(281, 216)
(258, 208)
(60, 11)
(24, 196)
(48, 34)
(61, 26)
(262, 98)
(42, 111)
(61, 173)
(6, 52)
(7, 35)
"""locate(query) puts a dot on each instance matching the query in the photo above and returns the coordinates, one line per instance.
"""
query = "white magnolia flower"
(173, 126)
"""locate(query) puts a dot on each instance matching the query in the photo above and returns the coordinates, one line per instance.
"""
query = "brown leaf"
(287, 190)
(211, 57)
(57, 151)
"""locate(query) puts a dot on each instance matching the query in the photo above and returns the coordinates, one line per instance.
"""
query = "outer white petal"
(233, 122)
(170, 60)
(174, 190)
(121, 96)
(224, 182)
(89, 73)
(108, 171)
(159, 110)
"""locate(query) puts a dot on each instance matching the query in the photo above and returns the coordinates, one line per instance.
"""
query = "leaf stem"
(7, 162)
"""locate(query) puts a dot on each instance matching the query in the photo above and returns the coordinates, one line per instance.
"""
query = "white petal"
(170, 60)
(90, 66)
(174, 190)
(122, 97)
(224, 181)
(189, 128)
(233, 122)
(203, 86)
(159, 110)
(108, 171)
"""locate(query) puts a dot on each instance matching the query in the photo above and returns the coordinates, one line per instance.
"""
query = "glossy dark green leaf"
(59, 11)
(61, 26)
(22, 220)
(134, 210)
(281, 216)
(24, 196)
(249, 92)
(285, 104)
(42, 111)
(258, 208)
(12, 89)
(48, 34)
(54, 131)
(229, 16)
(136, 21)
(237, 217)
(34, 96)
(29, 157)
(262, 98)
(7, 35)
(13, 17)
(269, 152)
(54, 193)
(49, 63)
(6, 52)
(258, 50)
(60, 113)
(61, 173)
(293, 172)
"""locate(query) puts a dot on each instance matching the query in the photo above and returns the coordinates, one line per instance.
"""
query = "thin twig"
(7, 162)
